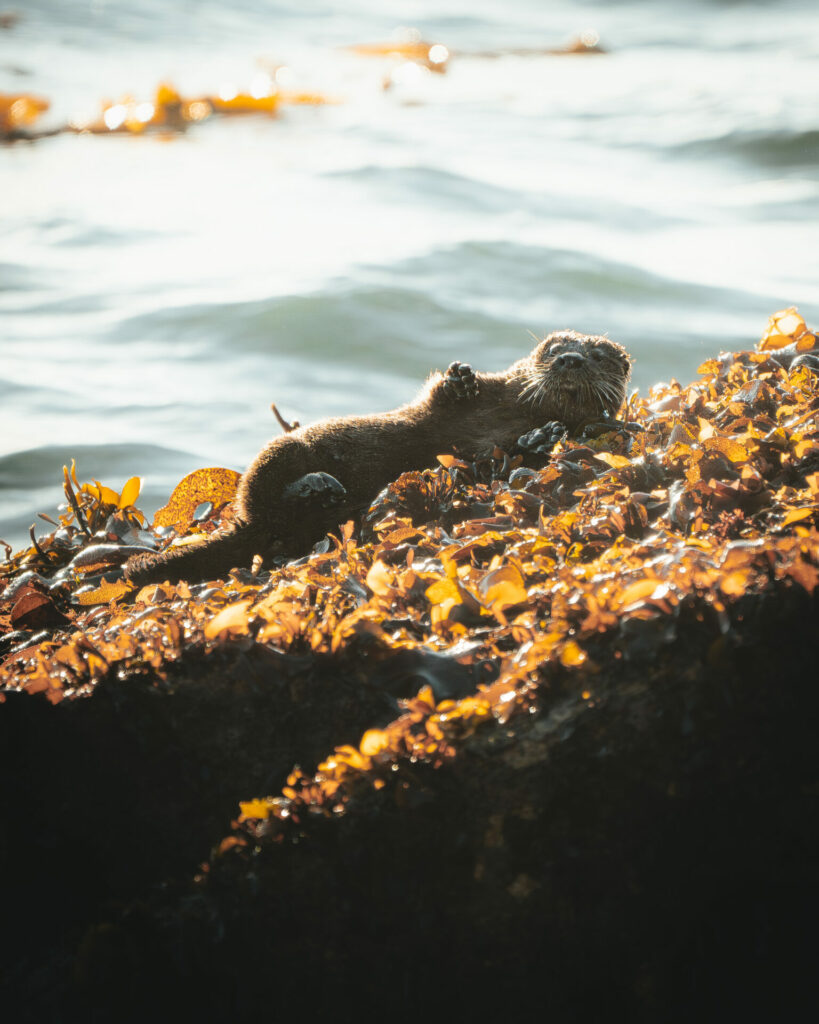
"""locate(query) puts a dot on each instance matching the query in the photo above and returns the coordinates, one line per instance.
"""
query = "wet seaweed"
(608, 551)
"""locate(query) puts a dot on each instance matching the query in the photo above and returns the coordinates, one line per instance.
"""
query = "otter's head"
(577, 377)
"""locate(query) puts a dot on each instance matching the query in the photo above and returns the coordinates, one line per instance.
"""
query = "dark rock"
(645, 854)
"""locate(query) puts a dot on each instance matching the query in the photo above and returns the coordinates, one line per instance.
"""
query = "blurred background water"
(157, 295)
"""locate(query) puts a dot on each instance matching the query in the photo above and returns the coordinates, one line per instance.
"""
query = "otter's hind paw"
(315, 487)
(460, 381)
(542, 439)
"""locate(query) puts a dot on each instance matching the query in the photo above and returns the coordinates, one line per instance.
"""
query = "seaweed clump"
(561, 683)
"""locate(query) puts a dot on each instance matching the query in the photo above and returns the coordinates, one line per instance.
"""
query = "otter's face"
(577, 377)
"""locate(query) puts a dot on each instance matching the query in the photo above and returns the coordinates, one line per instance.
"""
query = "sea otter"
(304, 484)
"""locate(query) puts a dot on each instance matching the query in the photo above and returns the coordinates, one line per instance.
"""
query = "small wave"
(776, 149)
(16, 278)
(79, 236)
(449, 190)
(504, 289)
(14, 388)
(436, 185)
(472, 300)
(95, 461)
(514, 277)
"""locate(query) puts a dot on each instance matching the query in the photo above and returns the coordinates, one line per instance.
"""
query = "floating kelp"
(407, 46)
(169, 111)
(18, 111)
(587, 42)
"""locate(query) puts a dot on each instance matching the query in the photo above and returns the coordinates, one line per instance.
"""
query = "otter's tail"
(207, 560)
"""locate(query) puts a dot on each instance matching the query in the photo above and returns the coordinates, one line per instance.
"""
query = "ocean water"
(157, 295)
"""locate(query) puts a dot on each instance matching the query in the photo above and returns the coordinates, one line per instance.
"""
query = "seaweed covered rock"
(556, 728)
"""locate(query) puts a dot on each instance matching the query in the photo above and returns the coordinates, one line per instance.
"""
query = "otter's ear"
(625, 358)
(541, 350)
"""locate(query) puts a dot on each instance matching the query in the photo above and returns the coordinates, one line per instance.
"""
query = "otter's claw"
(604, 424)
(542, 439)
(460, 381)
(321, 488)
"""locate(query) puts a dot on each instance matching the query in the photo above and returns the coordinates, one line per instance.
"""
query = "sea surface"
(156, 295)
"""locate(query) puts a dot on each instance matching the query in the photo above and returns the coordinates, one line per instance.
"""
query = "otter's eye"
(596, 353)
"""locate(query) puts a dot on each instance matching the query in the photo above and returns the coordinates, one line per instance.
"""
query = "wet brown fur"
(365, 453)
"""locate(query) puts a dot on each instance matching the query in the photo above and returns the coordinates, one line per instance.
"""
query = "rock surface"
(557, 728)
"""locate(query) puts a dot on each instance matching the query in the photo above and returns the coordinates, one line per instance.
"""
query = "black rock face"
(649, 855)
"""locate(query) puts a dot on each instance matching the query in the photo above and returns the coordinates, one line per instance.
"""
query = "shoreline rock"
(556, 729)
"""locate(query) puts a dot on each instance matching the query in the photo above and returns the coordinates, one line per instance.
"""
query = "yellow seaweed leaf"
(638, 591)
(233, 619)
(725, 446)
(401, 534)
(130, 492)
(447, 594)
(426, 696)
(374, 741)
(153, 593)
(805, 575)
(783, 328)
(451, 461)
(572, 655)
(214, 484)
(254, 809)
(105, 494)
(352, 757)
(805, 447)
(503, 588)
(104, 593)
(379, 579)
(735, 583)
(615, 461)
(796, 515)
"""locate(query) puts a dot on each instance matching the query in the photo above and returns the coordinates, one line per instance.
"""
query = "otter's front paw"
(321, 488)
(460, 381)
(543, 439)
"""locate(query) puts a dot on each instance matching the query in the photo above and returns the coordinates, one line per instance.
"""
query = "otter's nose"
(570, 360)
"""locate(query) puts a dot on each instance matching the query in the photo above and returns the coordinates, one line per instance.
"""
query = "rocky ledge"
(531, 738)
